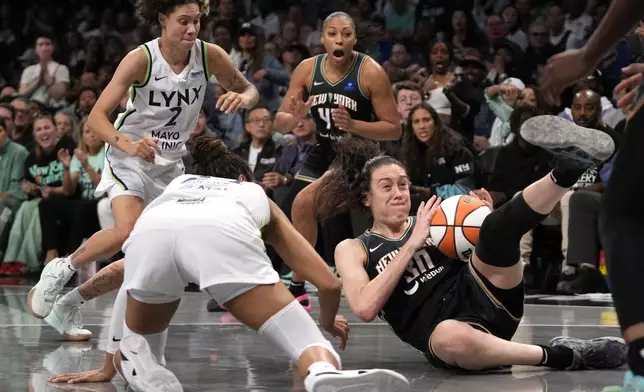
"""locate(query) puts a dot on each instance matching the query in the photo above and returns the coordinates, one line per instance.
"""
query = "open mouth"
(338, 53)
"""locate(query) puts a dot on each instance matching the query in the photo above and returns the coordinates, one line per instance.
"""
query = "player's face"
(45, 133)
(423, 126)
(182, 25)
(339, 38)
(388, 195)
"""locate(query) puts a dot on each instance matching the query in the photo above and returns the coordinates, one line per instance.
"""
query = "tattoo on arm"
(236, 82)
(108, 279)
(79, 252)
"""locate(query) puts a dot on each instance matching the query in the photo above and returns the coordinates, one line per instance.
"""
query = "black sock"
(297, 288)
(635, 357)
(557, 357)
(566, 177)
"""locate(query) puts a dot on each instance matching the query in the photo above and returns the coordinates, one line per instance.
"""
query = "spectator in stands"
(610, 115)
(257, 147)
(512, 21)
(583, 245)
(435, 156)
(201, 129)
(577, 20)
(66, 125)
(43, 180)
(440, 61)
(502, 99)
(12, 164)
(48, 81)
(267, 19)
(7, 115)
(539, 51)
(74, 53)
(408, 95)
(400, 21)
(293, 55)
(22, 130)
(8, 91)
(399, 67)
(495, 32)
(463, 33)
(86, 100)
(560, 38)
(222, 37)
(265, 72)
(67, 221)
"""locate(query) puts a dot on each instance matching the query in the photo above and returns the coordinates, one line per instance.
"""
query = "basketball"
(456, 225)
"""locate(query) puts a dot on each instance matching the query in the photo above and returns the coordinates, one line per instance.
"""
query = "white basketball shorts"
(225, 256)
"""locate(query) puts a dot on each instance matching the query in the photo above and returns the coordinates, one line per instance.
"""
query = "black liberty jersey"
(328, 96)
(429, 275)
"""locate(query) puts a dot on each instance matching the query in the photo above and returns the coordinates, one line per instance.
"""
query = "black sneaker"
(213, 306)
(587, 280)
(601, 353)
(577, 147)
(298, 290)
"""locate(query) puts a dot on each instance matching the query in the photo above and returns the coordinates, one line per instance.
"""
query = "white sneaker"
(357, 380)
(141, 369)
(53, 278)
(68, 321)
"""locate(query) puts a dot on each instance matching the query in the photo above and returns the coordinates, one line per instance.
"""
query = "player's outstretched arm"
(293, 109)
(367, 297)
(240, 92)
(377, 85)
(298, 254)
(131, 71)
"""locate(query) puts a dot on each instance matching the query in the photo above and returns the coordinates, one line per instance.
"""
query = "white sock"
(74, 297)
(320, 367)
(68, 262)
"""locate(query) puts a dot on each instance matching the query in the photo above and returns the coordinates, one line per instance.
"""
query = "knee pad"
(293, 330)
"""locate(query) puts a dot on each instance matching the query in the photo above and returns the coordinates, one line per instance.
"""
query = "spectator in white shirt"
(512, 22)
(577, 21)
(561, 38)
(48, 81)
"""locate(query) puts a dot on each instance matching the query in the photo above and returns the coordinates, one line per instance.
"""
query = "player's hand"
(339, 329)
(426, 212)
(561, 71)
(342, 119)
(629, 87)
(483, 195)
(230, 102)
(96, 375)
(64, 157)
(299, 108)
(144, 148)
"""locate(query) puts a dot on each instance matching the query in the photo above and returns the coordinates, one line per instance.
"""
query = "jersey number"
(325, 114)
(173, 120)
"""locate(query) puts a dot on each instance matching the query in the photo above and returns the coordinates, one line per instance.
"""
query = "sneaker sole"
(44, 312)
(137, 351)
(371, 380)
(552, 132)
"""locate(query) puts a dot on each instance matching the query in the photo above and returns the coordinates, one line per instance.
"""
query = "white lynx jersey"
(166, 105)
(212, 200)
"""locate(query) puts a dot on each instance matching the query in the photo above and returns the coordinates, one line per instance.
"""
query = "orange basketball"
(456, 225)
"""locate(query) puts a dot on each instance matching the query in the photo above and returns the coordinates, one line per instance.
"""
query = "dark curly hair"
(212, 158)
(147, 11)
(418, 157)
(350, 176)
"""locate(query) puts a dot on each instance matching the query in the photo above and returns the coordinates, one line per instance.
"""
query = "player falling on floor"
(210, 229)
(166, 79)
(345, 89)
(621, 225)
(459, 314)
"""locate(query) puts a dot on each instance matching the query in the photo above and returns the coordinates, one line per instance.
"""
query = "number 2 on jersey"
(325, 114)
(173, 120)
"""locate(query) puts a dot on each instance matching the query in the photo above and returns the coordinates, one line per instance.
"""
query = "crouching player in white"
(210, 229)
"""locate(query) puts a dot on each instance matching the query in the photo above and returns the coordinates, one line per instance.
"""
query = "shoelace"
(53, 288)
(75, 318)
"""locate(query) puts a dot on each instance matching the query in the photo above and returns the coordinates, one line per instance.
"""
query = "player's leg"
(105, 243)
(272, 311)
(65, 315)
(497, 259)
(622, 235)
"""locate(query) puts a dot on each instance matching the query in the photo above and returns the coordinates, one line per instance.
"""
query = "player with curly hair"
(166, 80)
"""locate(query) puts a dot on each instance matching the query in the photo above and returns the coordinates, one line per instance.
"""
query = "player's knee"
(452, 341)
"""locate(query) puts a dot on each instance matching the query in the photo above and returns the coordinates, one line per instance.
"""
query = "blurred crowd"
(465, 75)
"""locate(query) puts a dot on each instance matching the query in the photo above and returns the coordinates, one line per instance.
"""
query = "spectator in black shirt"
(539, 51)
(435, 156)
